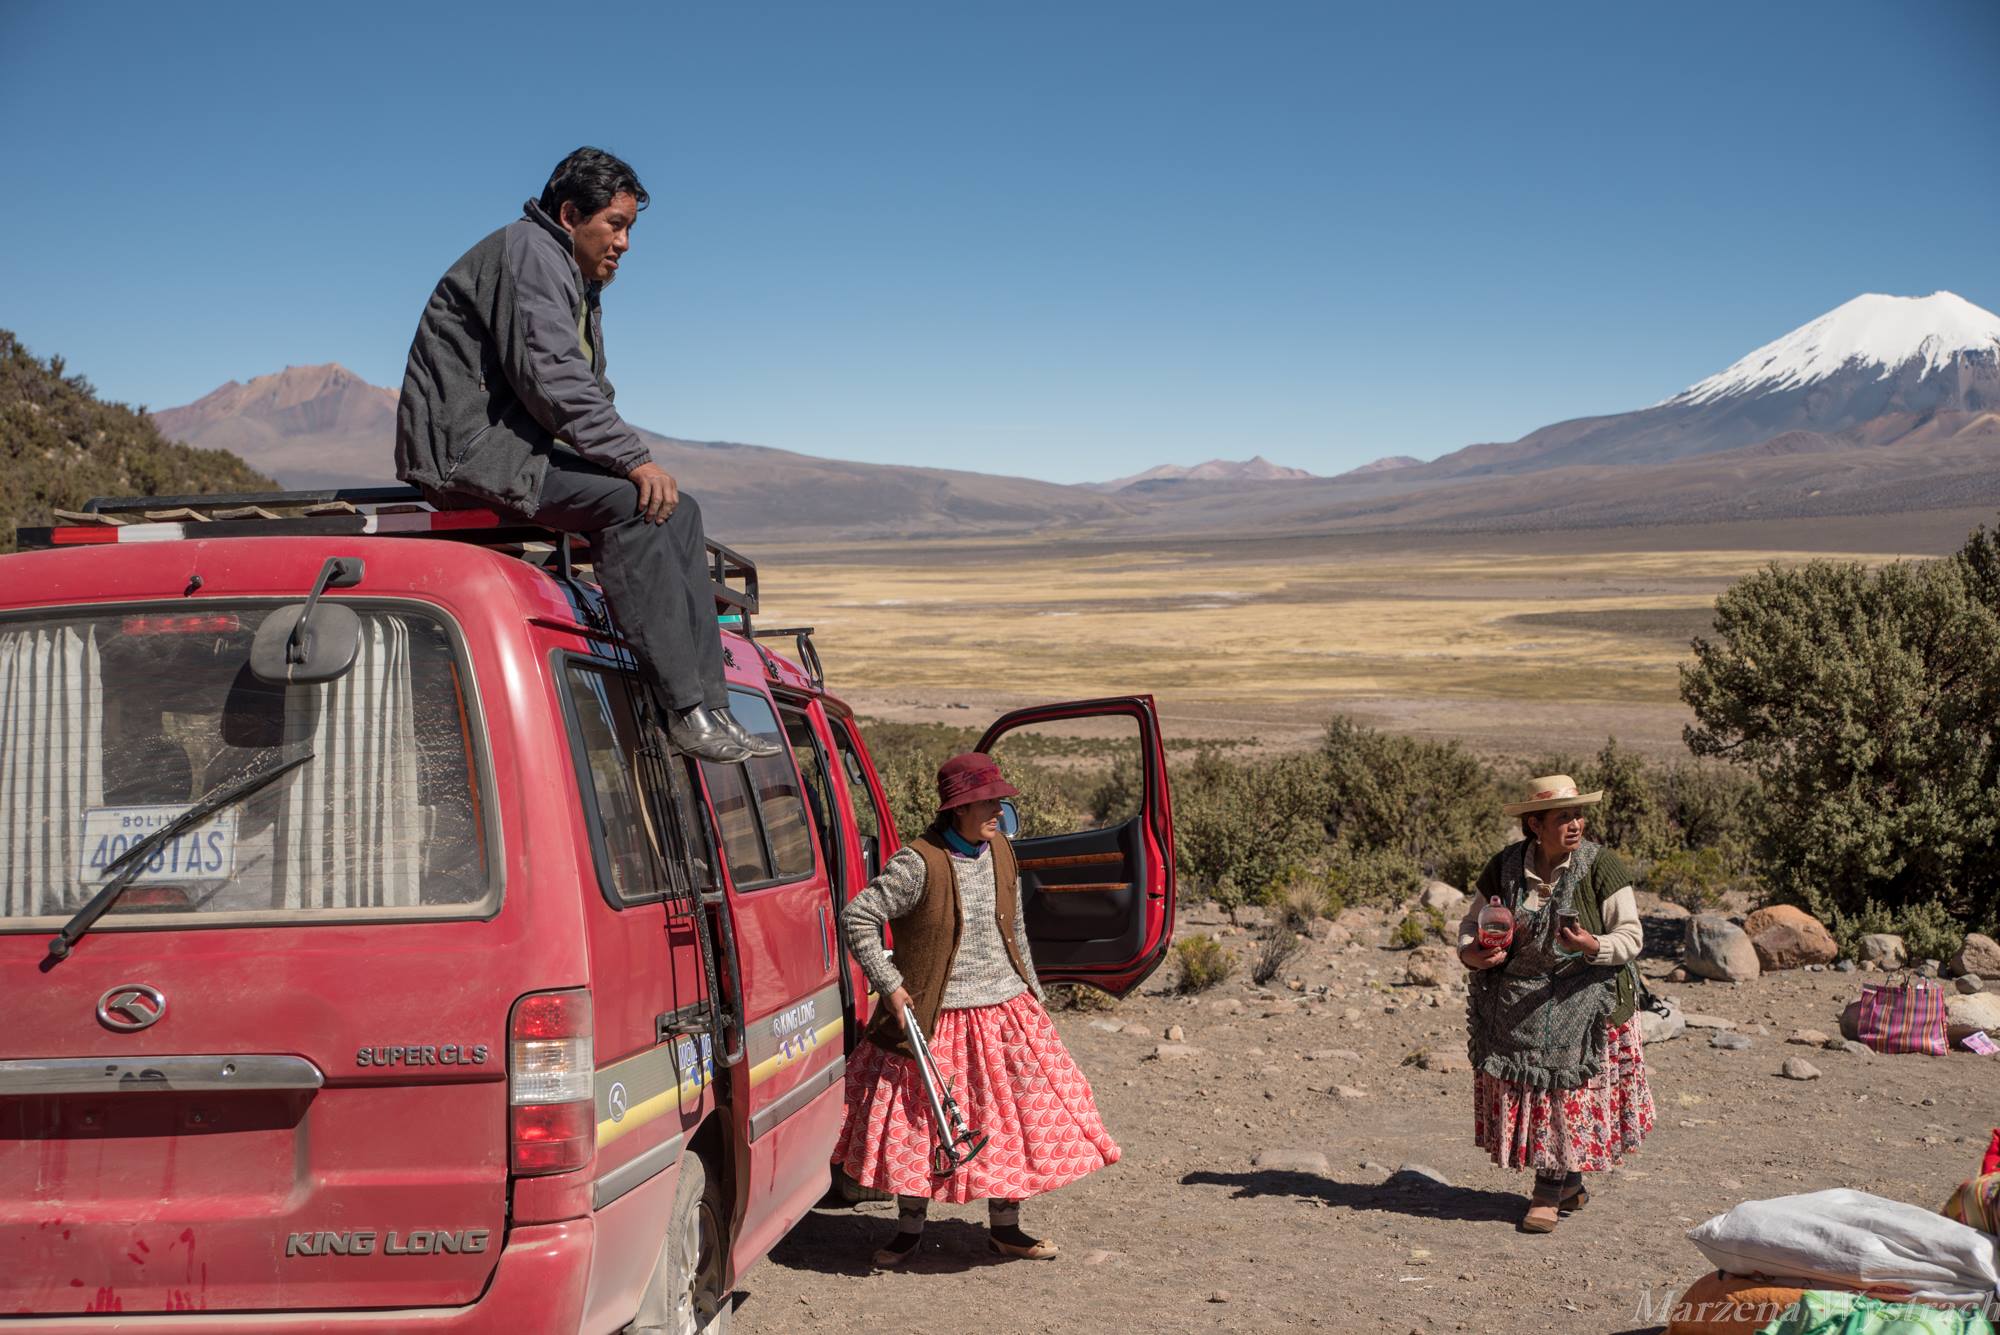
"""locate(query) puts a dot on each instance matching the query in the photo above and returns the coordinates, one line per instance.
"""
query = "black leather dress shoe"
(743, 737)
(699, 732)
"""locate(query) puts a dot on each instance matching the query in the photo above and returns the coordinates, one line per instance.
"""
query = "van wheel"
(686, 1296)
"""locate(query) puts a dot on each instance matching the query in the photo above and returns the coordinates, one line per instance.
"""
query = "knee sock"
(911, 1211)
(1003, 1220)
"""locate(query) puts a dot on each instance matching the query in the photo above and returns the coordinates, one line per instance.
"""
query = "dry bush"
(1078, 997)
(1202, 962)
(1304, 899)
(1275, 949)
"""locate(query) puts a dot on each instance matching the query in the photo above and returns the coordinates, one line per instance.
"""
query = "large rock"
(1884, 948)
(1444, 898)
(1717, 948)
(1966, 1015)
(1980, 955)
(1789, 947)
(1789, 938)
(1432, 966)
(1657, 1028)
(1290, 1161)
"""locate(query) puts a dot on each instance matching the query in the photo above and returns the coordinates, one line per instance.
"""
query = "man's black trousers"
(656, 576)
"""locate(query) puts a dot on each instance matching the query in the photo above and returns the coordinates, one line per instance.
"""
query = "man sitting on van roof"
(505, 402)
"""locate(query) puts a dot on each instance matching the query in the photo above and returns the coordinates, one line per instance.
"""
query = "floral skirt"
(1586, 1130)
(1015, 1082)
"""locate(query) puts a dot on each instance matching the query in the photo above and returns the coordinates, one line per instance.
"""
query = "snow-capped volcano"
(1871, 332)
(1876, 370)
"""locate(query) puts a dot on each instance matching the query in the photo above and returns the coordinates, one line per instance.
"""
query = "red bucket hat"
(971, 777)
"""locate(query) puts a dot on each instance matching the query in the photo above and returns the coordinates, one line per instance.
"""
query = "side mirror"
(326, 651)
(311, 642)
(1010, 818)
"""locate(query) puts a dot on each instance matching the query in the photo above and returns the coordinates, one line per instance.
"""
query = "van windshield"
(113, 722)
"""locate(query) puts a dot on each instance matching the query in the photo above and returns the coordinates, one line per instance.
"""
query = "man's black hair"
(590, 178)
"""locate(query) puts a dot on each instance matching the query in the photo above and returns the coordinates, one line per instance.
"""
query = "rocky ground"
(1299, 1157)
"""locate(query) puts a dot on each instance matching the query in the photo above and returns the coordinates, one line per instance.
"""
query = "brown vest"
(926, 938)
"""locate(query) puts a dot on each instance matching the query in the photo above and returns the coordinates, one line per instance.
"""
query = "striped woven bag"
(1902, 1017)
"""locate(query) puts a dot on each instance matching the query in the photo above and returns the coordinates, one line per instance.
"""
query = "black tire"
(686, 1295)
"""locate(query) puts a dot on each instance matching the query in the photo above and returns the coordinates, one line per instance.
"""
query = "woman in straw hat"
(952, 900)
(1559, 1077)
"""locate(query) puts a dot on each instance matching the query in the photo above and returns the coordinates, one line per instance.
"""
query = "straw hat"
(1550, 792)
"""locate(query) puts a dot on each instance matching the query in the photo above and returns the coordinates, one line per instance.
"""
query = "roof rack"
(802, 644)
(357, 511)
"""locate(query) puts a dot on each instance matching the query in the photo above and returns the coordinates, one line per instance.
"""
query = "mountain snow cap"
(1873, 330)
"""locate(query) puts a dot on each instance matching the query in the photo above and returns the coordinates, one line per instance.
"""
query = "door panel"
(794, 1053)
(1098, 902)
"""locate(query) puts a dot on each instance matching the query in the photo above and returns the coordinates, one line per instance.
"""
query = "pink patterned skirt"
(1585, 1130)
(1013, 1079)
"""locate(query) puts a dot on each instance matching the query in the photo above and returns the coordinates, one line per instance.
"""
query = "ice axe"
(958, 1145)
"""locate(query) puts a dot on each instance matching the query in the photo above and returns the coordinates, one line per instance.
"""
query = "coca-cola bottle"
(1496, 925)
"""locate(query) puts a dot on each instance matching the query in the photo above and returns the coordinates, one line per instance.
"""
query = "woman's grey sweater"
(981, 973)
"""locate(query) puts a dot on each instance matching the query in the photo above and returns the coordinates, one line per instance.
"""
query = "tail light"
(551, 1083)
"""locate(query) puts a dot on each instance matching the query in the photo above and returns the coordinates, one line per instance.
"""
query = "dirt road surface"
(1189, 1232)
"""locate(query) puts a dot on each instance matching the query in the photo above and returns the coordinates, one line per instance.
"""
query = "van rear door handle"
(146, 1075)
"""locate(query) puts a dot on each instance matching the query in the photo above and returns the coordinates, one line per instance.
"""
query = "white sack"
(1850, 1239)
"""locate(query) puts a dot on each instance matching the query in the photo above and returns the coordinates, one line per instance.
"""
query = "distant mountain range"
(1254, 469)
(1883, 405)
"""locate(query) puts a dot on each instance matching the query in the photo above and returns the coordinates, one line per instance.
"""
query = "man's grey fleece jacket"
(496, 374)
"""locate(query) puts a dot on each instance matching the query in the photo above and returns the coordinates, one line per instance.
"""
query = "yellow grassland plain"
(1454, 639)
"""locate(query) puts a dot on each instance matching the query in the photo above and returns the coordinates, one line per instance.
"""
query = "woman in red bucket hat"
(952, 899)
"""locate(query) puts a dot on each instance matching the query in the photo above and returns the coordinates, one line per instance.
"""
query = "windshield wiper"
(126, 867)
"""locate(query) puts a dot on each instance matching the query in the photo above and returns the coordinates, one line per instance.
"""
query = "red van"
(369, 960)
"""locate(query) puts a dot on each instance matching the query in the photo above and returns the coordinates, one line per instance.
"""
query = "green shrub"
(1303, 898)
(1240, 828)
(1201, 962)
(1418, 927)
(1695, 879)
(1867, 705)
(1375, 876)
(1929, 930)
(1433, 803)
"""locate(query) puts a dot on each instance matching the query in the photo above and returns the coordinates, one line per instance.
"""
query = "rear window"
(114, 722)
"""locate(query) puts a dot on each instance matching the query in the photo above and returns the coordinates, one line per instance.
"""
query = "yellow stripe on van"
(778, 1061)
(640, 1114)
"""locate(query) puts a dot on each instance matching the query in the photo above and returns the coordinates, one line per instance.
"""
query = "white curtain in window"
(353, 827)
(51, 764)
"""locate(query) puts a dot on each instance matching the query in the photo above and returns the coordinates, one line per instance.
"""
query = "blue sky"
(1065, 240)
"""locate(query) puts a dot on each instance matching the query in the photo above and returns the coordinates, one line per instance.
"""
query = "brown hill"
(311, 426)
(60, 445)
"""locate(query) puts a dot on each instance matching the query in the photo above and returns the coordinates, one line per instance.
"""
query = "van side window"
(861, 799)
(606, 739)
(819, 784)
(736, 823)
(781, 799)
(865, 819)
(761, 797)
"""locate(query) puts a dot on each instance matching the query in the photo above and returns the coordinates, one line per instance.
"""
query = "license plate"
(206, 852)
